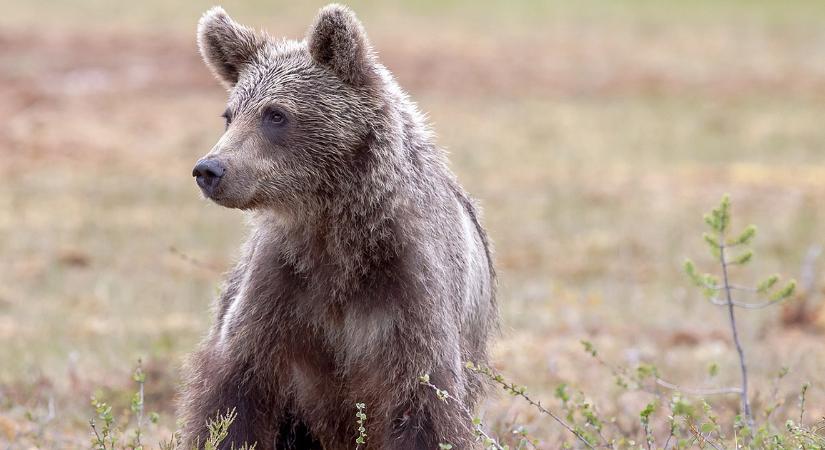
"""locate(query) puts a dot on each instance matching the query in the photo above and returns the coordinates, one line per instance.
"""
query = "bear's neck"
(337, 247)
(371, 219)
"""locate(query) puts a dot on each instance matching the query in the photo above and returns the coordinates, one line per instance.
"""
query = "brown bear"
(365, 266)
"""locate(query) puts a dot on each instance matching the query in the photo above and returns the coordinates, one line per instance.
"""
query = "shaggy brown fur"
(365, 268)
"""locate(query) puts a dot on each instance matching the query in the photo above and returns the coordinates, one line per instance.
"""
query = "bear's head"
(300, 114)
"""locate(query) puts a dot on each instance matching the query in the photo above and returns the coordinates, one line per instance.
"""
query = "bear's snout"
(208, 173)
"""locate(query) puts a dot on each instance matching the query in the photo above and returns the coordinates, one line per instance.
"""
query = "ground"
(594, 135)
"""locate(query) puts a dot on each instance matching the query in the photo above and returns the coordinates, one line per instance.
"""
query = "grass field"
(595, 135)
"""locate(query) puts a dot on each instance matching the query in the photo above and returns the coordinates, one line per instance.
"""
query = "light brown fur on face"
(366, 265)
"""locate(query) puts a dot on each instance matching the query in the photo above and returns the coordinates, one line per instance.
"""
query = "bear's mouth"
(217, 198)
(221, 197)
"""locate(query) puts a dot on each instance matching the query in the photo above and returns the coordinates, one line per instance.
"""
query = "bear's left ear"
(226, 46)
(337, 40)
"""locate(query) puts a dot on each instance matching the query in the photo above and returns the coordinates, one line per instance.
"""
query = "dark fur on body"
(366, 266)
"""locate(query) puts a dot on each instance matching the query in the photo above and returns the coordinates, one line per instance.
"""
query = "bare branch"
(698, 392)
(744, 305)
(734, 287)
(746, 406)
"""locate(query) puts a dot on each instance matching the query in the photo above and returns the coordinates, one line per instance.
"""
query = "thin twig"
(704, 439)
(669, 438)
(746, 407)
(698, 392)
(735, 439)
(802, 403)
(735, 287)
(717, 302)
(536, 404)
(775, 394)
(446, 396)
(141, 382)
(97, 435)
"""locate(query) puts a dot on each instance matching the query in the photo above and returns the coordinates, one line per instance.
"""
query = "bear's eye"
(227, 115)
(274, 116)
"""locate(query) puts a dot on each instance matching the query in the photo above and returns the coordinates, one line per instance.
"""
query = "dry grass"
(594, 143)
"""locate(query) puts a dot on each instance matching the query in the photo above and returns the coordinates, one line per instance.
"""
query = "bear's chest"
(271, 307)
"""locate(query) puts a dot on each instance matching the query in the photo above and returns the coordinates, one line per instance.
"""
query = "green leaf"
(713, 369)
(785, 292)
(744, 258)
(712, 221)
(711, 241)
(645, 371)
(709, 285)
(680, 407)
(746, 236)
(589, 348)
(766, 284)
(645, 414)
(561, 393)
(690, 270)
(724, 213)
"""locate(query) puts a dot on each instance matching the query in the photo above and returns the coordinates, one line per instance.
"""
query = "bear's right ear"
(226, 46)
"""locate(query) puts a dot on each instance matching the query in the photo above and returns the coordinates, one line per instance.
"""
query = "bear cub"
(365, 266)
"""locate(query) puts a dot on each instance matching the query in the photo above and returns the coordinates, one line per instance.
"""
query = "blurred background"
(595, 135)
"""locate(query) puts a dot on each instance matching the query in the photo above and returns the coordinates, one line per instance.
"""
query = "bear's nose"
(208, 173)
